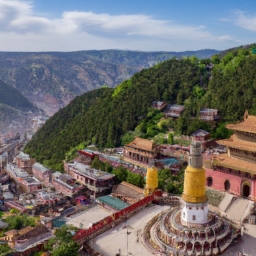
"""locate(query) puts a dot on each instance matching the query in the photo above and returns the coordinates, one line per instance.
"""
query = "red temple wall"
(219, 178)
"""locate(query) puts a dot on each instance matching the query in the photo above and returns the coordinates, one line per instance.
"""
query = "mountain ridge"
(52, 79)
(12, 104)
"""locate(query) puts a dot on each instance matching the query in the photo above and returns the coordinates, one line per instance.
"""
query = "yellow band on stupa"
(194, 185)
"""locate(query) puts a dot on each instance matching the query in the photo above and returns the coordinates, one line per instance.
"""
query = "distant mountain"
(12, 104)
(52, 79)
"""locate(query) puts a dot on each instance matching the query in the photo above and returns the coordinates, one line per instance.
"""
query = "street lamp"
(127, 233)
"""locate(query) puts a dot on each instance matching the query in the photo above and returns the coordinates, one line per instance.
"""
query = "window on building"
(209, 181)
(194, 217)
(183, 214)
(226, 185)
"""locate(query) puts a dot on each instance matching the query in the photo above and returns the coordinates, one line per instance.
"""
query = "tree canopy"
(63, 244)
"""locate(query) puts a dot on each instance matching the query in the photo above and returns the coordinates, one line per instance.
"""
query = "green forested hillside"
(232, 88)
(102, 116)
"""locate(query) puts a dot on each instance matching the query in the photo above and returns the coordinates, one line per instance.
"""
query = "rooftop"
(200, 132)
(208, 110)
(32, 180)
(128, 190)
(15, 171)
(174, 107)
(90, 172)
(234, 142)
(23, 156)
(142, 144)
(115, 203)
(248, 125)
(88, 217)
(158, 104)
(56, 175)
(234, 163)
(31, 233)
(169, 161)
(40, 167)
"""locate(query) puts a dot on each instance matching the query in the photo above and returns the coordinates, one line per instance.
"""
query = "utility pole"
(127, 238)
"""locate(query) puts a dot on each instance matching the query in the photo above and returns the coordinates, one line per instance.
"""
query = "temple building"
(141, 151)
(190, 229)
(235, 172)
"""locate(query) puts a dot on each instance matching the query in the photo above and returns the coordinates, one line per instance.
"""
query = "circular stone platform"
(165, 233)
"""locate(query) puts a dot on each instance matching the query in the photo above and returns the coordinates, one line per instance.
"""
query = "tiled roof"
(113, 202)
(142, 144)
(127, 189)
(233, 142)
(234, 163)
(200, 132)
(248, 125)
(32, 232)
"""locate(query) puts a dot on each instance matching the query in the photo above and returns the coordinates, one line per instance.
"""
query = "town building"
(31, 240)
(160, 105)
(42, 173)
(141, 151)
(235, 172)
(65, 184)
(173, 110)
(24, 161)
(24, 181)
(204, 138)
(30, 184)
(16, 173)
(98, 183)
(209, 114)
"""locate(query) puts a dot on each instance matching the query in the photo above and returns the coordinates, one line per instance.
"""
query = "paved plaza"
(116, 240)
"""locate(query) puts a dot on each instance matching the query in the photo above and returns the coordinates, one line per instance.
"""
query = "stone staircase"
(235, 208)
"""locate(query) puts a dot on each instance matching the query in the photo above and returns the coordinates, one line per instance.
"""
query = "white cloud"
(245, 21)
(87, 30)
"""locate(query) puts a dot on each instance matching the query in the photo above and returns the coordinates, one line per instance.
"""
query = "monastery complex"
(235, 172)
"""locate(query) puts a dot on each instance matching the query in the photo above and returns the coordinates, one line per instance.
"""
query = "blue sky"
(147, 25)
